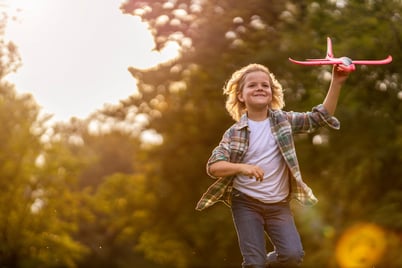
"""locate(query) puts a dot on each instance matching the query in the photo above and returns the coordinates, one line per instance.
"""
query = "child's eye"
(252, 85)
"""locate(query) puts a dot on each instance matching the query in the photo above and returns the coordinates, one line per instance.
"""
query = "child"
(256, 166)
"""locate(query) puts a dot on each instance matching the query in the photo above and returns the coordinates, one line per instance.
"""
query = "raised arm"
(339, 76)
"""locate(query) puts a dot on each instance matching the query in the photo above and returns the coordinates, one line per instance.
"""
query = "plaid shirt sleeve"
(306, 122)
(231, 148)
(218, 191)
(221, 152)
(311, 121)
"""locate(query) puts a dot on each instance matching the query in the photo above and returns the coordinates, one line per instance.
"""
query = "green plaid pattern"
(234, 145)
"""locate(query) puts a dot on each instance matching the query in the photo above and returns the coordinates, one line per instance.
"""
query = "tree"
(37, 209)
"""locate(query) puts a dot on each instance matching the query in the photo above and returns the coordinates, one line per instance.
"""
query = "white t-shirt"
(264, 152)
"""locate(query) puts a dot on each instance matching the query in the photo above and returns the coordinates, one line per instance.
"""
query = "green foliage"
(37, 206)
(36, 222)
(115, 206)
(120, 211)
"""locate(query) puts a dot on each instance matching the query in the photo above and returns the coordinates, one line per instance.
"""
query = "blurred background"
(118, 187)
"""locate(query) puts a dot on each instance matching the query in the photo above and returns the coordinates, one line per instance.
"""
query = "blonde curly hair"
(235, 84)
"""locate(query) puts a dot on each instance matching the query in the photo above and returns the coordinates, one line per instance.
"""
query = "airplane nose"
(347, 64)
(346, 61)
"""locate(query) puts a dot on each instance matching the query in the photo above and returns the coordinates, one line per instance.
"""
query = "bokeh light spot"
(361, 245)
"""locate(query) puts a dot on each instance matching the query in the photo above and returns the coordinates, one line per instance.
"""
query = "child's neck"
(257, 116)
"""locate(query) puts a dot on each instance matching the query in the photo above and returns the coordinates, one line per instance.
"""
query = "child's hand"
(339, 74)
(252, 171)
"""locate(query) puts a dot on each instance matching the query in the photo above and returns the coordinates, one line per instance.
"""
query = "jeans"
(253, 219)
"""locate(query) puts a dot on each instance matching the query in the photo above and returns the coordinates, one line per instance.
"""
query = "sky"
(75, 53)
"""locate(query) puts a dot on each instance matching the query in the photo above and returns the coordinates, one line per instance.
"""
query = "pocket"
(240, 196)
(236, 193)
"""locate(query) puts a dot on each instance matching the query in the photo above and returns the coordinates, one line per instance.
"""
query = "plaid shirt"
(234, 145)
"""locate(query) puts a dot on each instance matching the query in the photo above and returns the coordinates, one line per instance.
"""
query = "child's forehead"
(256, 75)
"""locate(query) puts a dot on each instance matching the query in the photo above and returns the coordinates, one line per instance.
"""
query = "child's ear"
(240, 97)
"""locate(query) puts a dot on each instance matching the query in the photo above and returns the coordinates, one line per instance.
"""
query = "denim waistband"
(236, 191)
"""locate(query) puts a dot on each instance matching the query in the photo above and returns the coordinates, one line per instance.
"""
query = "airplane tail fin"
(330, 54)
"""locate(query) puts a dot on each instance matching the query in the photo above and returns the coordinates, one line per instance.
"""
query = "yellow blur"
(361, 246)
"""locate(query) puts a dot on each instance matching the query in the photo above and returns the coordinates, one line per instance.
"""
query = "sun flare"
(76, 54)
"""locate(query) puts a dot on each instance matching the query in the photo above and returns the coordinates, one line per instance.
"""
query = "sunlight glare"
(76, 54)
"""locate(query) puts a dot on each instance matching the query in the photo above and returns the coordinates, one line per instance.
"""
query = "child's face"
(256, 92)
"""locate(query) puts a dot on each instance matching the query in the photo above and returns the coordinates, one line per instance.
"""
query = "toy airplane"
(347, 64)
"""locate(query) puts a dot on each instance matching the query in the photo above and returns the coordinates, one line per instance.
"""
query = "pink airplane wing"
(373, 62)
(317, 62)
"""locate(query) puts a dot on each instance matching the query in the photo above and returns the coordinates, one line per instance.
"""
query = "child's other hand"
(252, 171)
